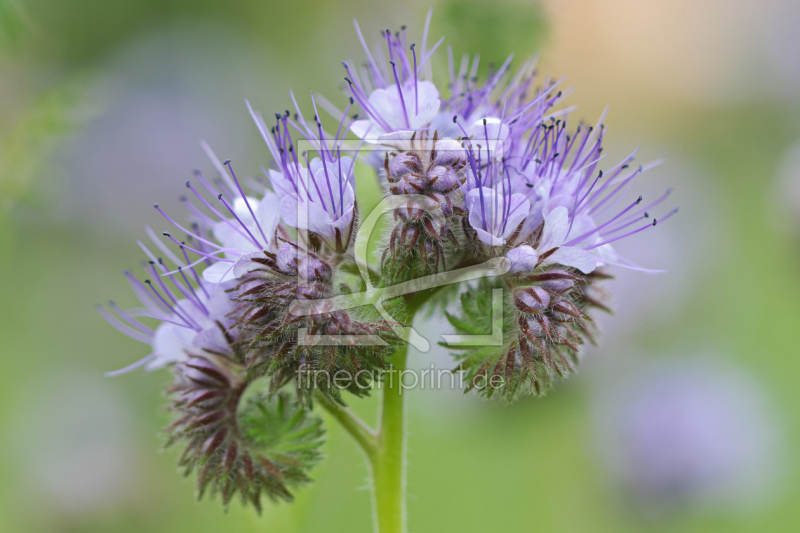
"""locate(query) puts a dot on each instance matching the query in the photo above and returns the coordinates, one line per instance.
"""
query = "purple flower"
(193, 316)
(321, 200)
(495, 215)
(530, 179)
(250, 230)
(316, 195)
(395, 93)
(389, 115)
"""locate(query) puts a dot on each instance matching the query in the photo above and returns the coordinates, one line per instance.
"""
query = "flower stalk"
(389, 461)
(385, 449)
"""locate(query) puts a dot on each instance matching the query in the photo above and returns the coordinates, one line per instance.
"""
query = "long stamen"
(199, 252)
(416, 90)
(400, 92)
(227, 163)
(194, 271)
(244, 226)
(600, 227)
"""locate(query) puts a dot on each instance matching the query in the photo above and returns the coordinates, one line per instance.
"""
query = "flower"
(495, 215)
(388, 111)
(271, 288)
(250, 230)
(193, 317)
(317, 195)
(326, 191)
(399, 102)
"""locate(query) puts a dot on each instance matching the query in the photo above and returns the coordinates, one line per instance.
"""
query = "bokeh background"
(686, 419)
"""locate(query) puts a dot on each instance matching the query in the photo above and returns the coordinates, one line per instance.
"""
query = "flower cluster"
(491, 173)
(494, 171)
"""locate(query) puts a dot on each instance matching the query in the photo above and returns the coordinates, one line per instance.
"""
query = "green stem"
(388, 465)
(385, 448)
(365, 436)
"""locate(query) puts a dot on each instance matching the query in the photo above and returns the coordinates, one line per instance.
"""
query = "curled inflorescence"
(266, 282)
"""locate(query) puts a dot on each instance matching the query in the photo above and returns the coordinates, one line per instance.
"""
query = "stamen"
(600, 227)
(244, 227)
(400, 92)
(416, 90)
(246, 202)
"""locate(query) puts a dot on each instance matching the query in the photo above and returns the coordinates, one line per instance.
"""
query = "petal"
(244, 265)
(367, 130)
(219, 272)
(213, 339)
(556, 226)
(399, 140)
(573, 257)
(522, 259)
(561, 200)
(169, 344)
(288, 209)
(480, 213)
(280, 183)
(268, 213)
(386, 103)
(242, 208)
(427, 92)
(427, 112)
(488, 238)
(232, 239)
(517, 211)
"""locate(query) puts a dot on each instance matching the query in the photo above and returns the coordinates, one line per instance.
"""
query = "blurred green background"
(686, 418)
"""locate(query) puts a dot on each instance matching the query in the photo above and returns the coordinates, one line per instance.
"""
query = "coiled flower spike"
(272, 308)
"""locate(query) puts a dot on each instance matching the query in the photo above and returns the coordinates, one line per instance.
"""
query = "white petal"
(169, 344)
(573, 257)
(367, 130)
(218, 272)
(280, 183)
(234, 239)
(488, 238)
(522, 259)
(268, 213)
(427, 112)
(517, 211)
(556, 226)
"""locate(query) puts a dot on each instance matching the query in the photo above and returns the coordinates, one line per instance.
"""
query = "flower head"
(193, 314)
(317, 195)
(395, 92)
(268, 285)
